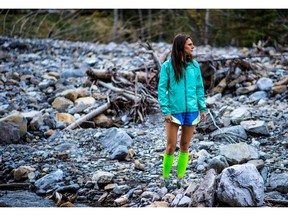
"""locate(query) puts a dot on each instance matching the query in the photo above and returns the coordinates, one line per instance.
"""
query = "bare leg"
(172, 135)
(186, 136)
(183, 157)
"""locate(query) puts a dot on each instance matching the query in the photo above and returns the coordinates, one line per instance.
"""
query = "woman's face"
(188, 47)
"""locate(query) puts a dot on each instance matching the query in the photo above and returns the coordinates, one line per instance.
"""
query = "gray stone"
(23, 199)
(241, 186)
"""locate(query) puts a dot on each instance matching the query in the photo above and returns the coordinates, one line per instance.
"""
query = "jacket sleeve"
(200, 91)
(162, 89)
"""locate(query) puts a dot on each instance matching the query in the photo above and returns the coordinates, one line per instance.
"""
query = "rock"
(238, 153)
(82, 152)
(48, 181)
(257, 127)
(241, 186)
(9, 132)
(19, 119)
(264, 84)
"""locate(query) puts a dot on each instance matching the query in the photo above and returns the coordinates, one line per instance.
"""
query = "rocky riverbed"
(238, 157)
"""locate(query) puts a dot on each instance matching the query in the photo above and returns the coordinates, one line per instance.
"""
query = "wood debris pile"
(136, 91)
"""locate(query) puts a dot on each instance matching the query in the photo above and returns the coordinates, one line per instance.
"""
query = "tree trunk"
(160, 26)
(149, 24)
(96, 112)
(115, 25)
(141, 24)
(142, 77)
(207, 26)
(125, 93)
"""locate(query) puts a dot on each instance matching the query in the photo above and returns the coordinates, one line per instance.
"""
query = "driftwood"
(238, 80)
(137, 86)
(96, 112)
(140, 87)
(228, 138)
(15, 186)
(129, 75)
(220, 87)
(127, 94)
(260, 45)
(99, 74)
(219, 74)
(226, 77)
(283, 203)
(138, 93)
(145, 77)
(155, 57)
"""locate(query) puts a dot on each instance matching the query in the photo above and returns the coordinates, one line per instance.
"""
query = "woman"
(181, 98)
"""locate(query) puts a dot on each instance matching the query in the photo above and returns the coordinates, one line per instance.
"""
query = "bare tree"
(207, 26)
(149, 23)
(4, 22)
(115, 28)
(160, 26)
(141, 24)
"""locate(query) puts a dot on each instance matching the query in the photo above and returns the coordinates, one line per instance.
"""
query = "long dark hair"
(178, 55)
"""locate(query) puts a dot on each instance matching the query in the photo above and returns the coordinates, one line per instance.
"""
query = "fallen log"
(144, 77)
(151, 51)
(220, 87)
(94, 113)
(216, 78)
(128, 94)
(125, 93)
(199, 60)
(277, 202)
(129, 75)
(140, 97)
(156, 60)
(15, 186)
(240, 79)
(99, 74)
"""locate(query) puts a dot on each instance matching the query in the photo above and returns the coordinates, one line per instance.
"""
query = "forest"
(215, 27)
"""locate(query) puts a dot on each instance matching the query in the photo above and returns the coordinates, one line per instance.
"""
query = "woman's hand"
(202, 116)
(168, 118)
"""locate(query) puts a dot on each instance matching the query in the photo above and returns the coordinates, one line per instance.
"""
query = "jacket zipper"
(185, 93)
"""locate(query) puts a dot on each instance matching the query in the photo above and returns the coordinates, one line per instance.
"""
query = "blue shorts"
(188, 118)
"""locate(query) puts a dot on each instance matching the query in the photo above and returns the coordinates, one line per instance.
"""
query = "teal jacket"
(185, 96)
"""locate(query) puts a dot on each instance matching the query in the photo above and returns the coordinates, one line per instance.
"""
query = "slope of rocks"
(238, 157)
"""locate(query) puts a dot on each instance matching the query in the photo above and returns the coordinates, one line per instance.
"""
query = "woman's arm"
(162, 89)
(200, 91)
